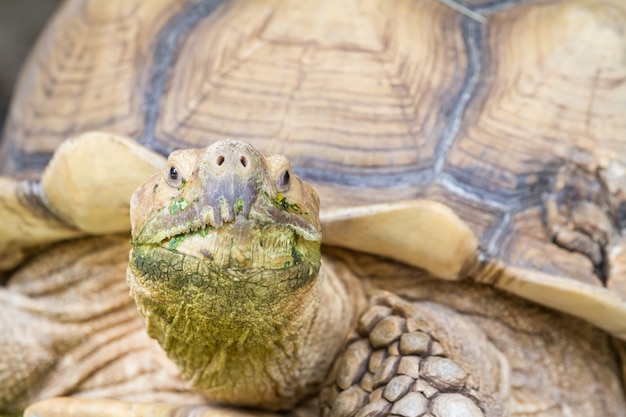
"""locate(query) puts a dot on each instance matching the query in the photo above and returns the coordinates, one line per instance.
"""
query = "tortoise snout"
(231, 173)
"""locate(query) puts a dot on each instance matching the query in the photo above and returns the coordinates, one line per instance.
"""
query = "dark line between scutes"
(169, 42)
(472, 39)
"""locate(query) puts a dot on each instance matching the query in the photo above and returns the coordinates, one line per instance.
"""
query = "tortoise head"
(229, 209)
(225, 184)
(224, 265)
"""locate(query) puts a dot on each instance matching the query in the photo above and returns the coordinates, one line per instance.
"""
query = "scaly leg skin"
(397, 366)
(458, 349)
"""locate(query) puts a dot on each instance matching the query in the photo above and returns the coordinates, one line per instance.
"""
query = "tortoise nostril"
(244, 161)
(220, 160)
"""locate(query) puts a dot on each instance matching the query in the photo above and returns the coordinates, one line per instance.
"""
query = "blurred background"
(20, 24)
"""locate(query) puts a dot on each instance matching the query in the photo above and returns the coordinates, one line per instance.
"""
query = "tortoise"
(472, 239)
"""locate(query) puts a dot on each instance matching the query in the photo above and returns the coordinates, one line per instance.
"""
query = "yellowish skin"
(225, 267)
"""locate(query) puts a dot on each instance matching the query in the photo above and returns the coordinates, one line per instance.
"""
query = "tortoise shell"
(515, 122)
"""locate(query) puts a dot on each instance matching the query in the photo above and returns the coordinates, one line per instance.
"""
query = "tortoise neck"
(269, 358)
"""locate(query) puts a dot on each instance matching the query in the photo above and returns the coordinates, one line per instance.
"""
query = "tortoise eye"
(284, 182)
(173, 177)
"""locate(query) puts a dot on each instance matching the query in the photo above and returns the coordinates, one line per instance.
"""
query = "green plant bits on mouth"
(175, 241)
(239, 206)
(178, 205)
(281, 202)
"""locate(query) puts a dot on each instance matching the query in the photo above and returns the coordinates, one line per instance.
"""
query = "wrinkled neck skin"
(254, 347)
(226, 269)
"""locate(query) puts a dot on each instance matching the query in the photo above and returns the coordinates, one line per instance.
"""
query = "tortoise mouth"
(240, 244)
(182, 219)
(171, 242)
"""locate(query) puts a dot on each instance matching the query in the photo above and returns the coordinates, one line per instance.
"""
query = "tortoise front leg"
(399, 367)
(479, 356)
